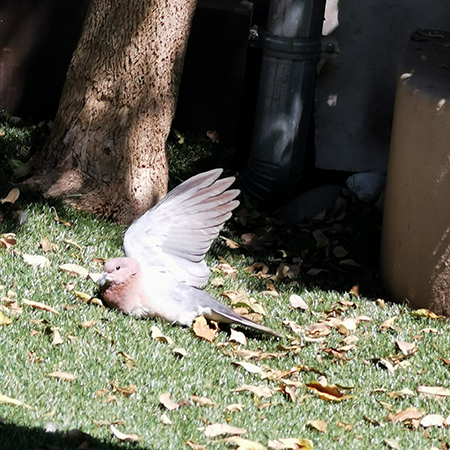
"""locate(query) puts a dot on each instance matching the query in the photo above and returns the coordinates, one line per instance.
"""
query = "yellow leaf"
(12, 401)
(125, 391)
(4, 320)
(427, 314)
(329, 392)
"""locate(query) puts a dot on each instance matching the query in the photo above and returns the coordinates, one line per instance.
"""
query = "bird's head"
(118, 271)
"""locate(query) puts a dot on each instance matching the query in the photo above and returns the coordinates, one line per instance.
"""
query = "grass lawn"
(337, 380)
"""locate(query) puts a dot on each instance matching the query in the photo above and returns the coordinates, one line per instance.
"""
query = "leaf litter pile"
(351, 371)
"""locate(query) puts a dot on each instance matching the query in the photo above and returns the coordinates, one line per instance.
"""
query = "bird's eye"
(117, 267)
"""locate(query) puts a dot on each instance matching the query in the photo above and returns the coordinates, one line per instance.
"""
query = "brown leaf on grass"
(235, 407)
(319, 329)
(433, 391)
(158, 336)
(12, 196)
(203, 330)
(297, 302)
(73, 244)
(318, 425)
(45, 245)
(125, 391)
(252, 242)
(7, 240)
(426, 313)
(241, 298)
(88, 323)
(445, 361)
(219, 429)
(179, 351)
(4, 320)
(38, 305)
(124, 437)
(165, 400)
(228, 270)
(36, 261)
(406, 348)
(12, 401)
(291, 444)
(259, 391)
(195, 446)
(245, 444)
(249, 367)
(388, 323)
(202, 401)
(259, 267)
(399, 394)
(335, 353)
(74, 270)
(345, 426)
(238, 337)
(65, 376)
(295, 327)
(286, 271)
(405, 416)
(329, 392)
(289, 391)
(433, 420)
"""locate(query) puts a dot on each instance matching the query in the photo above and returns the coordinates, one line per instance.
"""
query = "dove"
(164, 267)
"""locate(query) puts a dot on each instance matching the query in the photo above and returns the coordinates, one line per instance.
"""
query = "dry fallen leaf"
(249, 367)
(179, 351)
(57, 339)
(36, 261)
(7, 240)
(237, 336)
(12, 196)
(391, 443)
(125, 391)
(262, 269)
(433, 391)
(291, 444)
(219, 429)
(45, 245)
(12, 401)
(227, 270)
(195, 446)
(388, 323)
(406, 348)
(74, 270)
(329, 392)
(165, 420)
(202, 401)
(245, 444)
(427, 314)
(124, 437)
(406, 415)
(4, 320)
(297, 302)
(203, 330)
(260, 391)
(399, 394)
(433, 420)
(319, 425)
(230, 243)
(38, 305)
(165, 400)
(235, 407)
(65, 376)
(158, 336)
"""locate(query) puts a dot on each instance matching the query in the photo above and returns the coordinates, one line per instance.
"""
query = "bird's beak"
(104, 281)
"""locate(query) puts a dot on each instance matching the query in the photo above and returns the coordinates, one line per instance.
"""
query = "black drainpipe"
(292, 47)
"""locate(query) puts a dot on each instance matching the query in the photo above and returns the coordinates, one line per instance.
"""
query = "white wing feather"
(176, 233)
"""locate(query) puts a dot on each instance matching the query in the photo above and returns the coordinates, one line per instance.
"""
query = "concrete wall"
(355, 93)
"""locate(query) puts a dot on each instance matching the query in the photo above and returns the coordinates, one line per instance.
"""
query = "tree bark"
(108, 140)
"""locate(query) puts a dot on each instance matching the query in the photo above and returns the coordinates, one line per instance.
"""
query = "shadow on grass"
(14, 437)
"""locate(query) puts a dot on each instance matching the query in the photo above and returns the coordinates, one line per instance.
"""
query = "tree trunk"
(109, 135)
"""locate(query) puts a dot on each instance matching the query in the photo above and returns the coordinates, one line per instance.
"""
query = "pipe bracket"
(293, 48)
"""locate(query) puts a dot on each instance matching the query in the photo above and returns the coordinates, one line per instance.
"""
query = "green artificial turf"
(115, 352)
